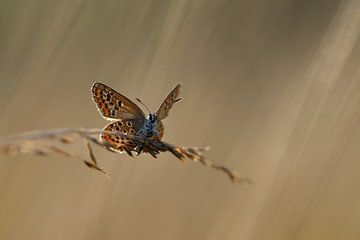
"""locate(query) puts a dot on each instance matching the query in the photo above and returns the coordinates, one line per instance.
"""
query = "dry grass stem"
(46, 142)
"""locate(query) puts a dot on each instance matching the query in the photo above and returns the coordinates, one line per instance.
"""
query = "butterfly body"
(129, 119)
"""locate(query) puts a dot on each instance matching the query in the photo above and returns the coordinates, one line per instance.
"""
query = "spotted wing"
(114, 105)
(165, 107)
(129, 128)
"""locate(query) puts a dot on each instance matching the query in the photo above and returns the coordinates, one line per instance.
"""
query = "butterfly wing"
(128, 127)
(114, 105)
(165, 107)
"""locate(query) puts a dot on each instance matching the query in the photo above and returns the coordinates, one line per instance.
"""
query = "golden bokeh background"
(271, 85)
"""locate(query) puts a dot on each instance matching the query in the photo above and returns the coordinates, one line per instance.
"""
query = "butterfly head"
(152, 117)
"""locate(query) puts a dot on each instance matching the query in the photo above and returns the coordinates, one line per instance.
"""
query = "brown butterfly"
(130, 120)
(131, 131)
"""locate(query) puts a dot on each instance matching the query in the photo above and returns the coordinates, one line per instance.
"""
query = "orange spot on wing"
(103, 106)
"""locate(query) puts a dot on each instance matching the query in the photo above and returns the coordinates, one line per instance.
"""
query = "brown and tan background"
(271, 85)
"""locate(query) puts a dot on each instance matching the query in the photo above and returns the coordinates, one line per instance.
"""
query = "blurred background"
(272, 86)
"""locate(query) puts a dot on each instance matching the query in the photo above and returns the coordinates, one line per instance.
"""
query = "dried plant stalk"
(38, 143)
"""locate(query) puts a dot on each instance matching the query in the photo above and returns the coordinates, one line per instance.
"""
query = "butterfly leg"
(139, 149)
(153, 154)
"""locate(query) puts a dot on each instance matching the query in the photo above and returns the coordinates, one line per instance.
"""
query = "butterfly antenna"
(143, 105)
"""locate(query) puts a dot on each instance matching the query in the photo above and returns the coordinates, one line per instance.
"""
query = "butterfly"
(128, 119)
(131, 130)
